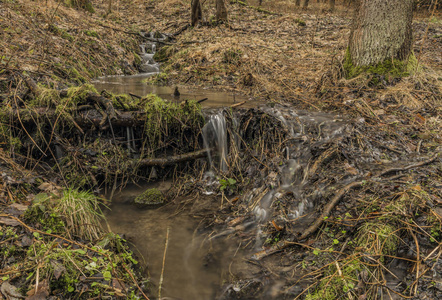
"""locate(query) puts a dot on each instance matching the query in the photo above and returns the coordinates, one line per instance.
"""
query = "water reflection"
(134, 84)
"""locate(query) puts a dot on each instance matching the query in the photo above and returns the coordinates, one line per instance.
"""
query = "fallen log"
(85, 118)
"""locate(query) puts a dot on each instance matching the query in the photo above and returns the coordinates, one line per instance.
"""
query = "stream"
(194, 267)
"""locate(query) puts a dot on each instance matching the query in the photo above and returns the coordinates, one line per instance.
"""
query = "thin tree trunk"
(221, 11)
(332, 5)
(196, 12)
(381, 30)
(305, 4)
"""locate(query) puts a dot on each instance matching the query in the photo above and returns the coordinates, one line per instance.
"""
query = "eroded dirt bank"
(344, 204)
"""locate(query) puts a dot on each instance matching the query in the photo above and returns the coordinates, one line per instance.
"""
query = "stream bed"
(194, 268)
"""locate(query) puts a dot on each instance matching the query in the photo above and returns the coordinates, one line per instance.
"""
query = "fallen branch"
(393, 170)
(313, 227)
(171, 160)
(327, 209)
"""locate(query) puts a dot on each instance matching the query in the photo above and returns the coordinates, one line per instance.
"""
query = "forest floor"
(276, 54)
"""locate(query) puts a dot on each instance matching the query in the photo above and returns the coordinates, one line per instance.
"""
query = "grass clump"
(81, 212)
(164, 118)
(73, 211)
(232, 56)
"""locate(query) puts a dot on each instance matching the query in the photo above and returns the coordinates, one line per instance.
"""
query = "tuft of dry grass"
(82, 214)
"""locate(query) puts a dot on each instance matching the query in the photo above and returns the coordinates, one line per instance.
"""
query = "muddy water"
(134, 84)
(193, 267)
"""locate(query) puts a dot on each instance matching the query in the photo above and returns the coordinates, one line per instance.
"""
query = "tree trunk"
(196, 12)
(381, 31)
(332, 5)
(305, 4)
(221, 11)
(298, 3)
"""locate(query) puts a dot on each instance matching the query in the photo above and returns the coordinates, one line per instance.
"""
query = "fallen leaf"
(10, 292)
(9, 222)
(58, 268)
(16, 209)
(42, 291)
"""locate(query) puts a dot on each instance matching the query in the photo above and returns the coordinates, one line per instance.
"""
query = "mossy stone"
(150, 197)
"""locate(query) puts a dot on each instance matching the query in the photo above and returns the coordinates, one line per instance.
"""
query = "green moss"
(160, 78)
(334, 285)
(82, 4)
(60, 32)
(78, 94)
(378, 238)
(164, 117)
(232, 56)
(67, 36)
(163, 53)
(300, 22)
(150, 197)
(391, 68)
(137, 59)
(91, 33)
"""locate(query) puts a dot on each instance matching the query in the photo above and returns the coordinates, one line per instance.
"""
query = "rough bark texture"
(221, 10)
(196, 12)
(381, 30)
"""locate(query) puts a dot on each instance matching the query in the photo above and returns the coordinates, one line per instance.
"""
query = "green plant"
(227, 183)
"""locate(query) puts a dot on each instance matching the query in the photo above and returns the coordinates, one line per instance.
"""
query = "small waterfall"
(148, 50)
(215, 136)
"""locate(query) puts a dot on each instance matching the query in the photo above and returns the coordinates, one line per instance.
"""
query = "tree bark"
(196, 12)
(221, 11)
(298, 3)
(381, 30)
(332, 5)
(305, 4)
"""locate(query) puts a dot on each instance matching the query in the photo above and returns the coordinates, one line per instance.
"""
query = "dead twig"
(423, 163)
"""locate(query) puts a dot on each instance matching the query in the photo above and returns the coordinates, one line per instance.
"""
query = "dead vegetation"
(372, 230)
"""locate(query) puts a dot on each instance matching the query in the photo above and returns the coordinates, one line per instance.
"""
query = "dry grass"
(82, 214)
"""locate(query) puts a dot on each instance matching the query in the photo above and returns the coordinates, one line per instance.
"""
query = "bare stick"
(423, 163)
(164, 261)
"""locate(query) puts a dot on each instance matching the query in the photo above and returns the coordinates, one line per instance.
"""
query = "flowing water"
(215, 136)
